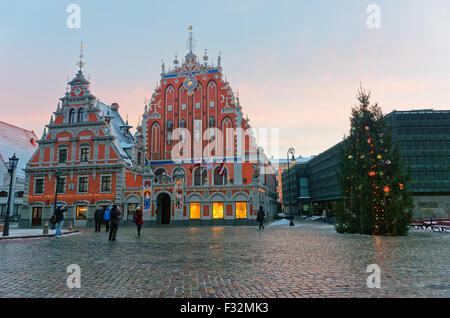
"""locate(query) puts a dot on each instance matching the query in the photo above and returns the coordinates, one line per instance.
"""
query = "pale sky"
(297, 64)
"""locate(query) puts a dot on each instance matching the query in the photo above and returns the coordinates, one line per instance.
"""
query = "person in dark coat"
(98, 217)
(59, 214)
(260, 217)
(116, 215)
(138, 217)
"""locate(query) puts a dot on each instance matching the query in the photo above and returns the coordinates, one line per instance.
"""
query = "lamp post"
(292, 152)
(57, 176)
(12, 166)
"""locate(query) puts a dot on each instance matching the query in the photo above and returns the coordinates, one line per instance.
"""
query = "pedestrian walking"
(116, 215)
(107, 217)
(138, 219)
(59, 215)
(260, 217)
(330, 216)
(98, 217)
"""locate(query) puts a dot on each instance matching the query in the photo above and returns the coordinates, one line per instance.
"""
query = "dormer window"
(72, 116)
(81, 115)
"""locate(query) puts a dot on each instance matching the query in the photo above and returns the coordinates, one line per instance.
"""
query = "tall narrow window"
(39, 186)
(194, 209)
(72, 116)
(203, 180)
(106, 184)
(217, 210)
(61, 188)
(155, 138)
(83, 185)
(62, 158)
(220, 179)
(84, 154)
(81, 115)
(241, 210)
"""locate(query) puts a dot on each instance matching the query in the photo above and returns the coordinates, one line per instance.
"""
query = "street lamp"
(291, 151)
(57, 176)
(12, 166)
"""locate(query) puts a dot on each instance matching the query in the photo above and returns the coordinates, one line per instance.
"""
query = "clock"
(190, 84)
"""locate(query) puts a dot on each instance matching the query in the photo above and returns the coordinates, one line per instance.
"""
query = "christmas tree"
(376, 199)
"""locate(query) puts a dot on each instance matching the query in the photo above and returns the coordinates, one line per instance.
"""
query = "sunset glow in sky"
(297, 64)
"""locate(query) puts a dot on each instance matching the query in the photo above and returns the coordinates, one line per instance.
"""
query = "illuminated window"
(194, 209)
(241, 210)
(81, 212)
(217, 210)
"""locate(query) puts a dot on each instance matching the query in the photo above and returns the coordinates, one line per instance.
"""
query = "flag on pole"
(222, 168)
(196, 164)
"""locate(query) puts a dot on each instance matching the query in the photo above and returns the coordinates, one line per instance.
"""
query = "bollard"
(71, 226)
(45, 228)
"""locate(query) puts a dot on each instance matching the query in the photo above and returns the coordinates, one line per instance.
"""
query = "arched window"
(197, 179)
(155, 138)
(228, 137)
(72, 116)
(220, 179)
(81, 115)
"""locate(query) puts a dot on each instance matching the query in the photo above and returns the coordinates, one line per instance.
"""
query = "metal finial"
(205, 57)
(80, 62)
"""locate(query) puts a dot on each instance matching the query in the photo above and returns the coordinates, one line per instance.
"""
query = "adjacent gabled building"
(100, 161)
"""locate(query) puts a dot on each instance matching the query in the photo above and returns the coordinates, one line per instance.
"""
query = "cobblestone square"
(308, 260)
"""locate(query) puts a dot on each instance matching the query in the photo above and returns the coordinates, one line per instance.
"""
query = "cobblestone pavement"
(308, 260)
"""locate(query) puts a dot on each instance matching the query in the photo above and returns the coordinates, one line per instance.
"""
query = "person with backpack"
(138, 219)
(116, 215)
(107, 217)
(260, 217)
(59, 216)
(98, 217)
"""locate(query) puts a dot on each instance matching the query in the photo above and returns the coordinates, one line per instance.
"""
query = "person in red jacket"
(138, 219)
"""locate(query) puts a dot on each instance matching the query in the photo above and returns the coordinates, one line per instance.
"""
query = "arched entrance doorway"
(163, 208)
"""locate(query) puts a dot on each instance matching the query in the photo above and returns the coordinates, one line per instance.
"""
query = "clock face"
(77, 91)
(189, 84)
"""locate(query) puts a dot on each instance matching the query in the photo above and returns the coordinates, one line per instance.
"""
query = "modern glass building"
(423, 137)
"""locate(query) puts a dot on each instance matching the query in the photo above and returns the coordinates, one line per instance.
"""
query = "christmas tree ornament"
(388, 162)
(386, 189)
(350, 157)
(366, 128)
(379, 157)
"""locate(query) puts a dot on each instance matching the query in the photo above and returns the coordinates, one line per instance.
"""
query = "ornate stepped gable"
(86, 138)
(194, 96)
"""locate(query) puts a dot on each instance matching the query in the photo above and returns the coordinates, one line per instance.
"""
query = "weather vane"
(80, 62)
(191, 40)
